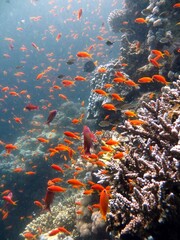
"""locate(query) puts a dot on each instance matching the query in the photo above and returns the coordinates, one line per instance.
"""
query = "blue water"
(62, 15)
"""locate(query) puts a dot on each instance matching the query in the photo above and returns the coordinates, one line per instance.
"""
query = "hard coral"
(146, 184)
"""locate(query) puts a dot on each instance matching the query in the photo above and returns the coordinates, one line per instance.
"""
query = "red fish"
(48, 200)
(51, 116)
(89, 138)
(31, 107)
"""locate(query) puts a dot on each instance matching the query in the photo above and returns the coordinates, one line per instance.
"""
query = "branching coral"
(146, 183)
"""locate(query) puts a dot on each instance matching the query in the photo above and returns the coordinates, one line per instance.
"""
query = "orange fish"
(88, 192)
(117, 97)
(58, 37)
(29, 235)
(63, 96)
(39, 204)
(17, 170)
(104, 200)
(106, 148)
(157, 52)
(101, 92)
(84, 55)
(109, 106)
(79, 78)
(54, 232)
(40, 75)
(97, 187)
(118, 155)
(42, 140)
(68, 83)
(131, 83)
(112, 142)
(119, 80)
(145, 80)
(100, 38)
(136, 122)
(18, 120)
(130, 113)
(72, 135)
(160, 78)
(75, 183)
(79, 15)
(64, 230)
(140, 20)
(54, 188)
(155, 63)
(108, 85)
(10, 147)
(102, 70)
(176, 5)
(9, 200)
(57, 168)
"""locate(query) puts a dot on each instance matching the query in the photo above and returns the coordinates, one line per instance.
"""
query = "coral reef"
(146, 182)
(62, 214)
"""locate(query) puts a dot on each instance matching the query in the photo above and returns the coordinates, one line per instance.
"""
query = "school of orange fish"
(53, 186)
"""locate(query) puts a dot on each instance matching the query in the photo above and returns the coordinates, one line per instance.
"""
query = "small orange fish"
(84, 55)
(54, 188)
(40, 75)
(75, 182)
(176, 5)
(79, 78)
(54, 232)
(10, 147)
(117, 97)
(102, 70)
(58, 37)
(57, 168)
(119, 80)
(106, 148)
(79, 15)
(160, 78)
(130, 113)
(29, 235)
(112, 142)
(18, 120)
(118, 155)
(145, 80)
(63, 96)
(39, 204)
(72, 135)
(88, 192)
(42, 140)
(108, 85)
(131, 83)
(109, 106)
(101, 92)
(64, 230)
(136, 122)
(68, 83)
(140, 20)
(104, 201)
(157, 52)
(155, 63)
(97, 187)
